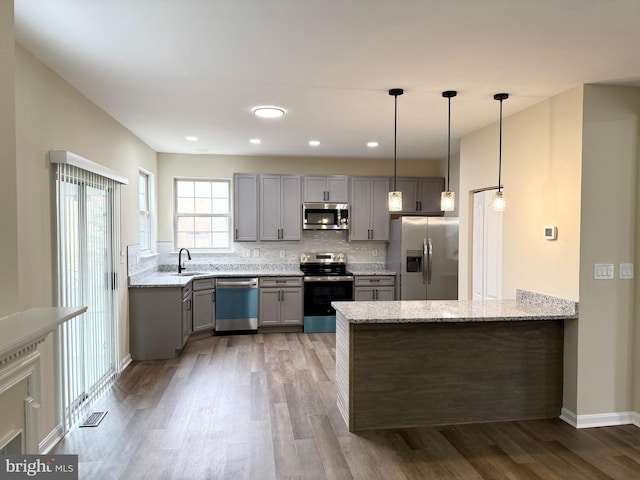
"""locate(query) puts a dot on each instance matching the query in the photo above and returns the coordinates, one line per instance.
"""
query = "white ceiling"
(166, 69)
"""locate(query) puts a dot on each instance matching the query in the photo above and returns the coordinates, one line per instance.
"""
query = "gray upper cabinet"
(369, 209)
(333, 189)
(245, 207)
(280, 207)
(420, 195)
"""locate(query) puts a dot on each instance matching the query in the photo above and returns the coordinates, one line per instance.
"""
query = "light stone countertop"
(172, 279)
(527, 306)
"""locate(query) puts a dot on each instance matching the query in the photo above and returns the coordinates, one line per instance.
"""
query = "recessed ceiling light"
(314, 143)
(255, 141)
(191, 138)
(267, 111)
(372, 144)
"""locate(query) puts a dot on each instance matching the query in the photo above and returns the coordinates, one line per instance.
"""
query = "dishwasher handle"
(244, 283)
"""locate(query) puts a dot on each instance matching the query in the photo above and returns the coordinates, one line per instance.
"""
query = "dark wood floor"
(263, 407)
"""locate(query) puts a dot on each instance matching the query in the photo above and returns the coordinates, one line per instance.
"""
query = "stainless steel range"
(326, 279)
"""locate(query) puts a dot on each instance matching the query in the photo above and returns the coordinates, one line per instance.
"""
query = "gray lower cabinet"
(204, 304)
(160, 321)
(374, 288)
(280, 301)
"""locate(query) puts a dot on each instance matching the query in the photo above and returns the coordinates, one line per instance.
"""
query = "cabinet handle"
(236, 233)
(375, 293)
(213, 297)
(417, 206)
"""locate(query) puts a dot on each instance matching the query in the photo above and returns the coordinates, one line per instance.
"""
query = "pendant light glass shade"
(395, 197)
(395, 201)
(499, 200)
(448, 198)
(448, 201)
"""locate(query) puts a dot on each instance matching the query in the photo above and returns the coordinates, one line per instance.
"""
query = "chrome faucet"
(180, 265)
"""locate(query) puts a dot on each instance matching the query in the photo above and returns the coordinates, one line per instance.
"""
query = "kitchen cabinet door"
(409, 189)
(280, 207)
(379, 209)
(338, 189)
(360, 223)
(291, 313)
(315, 189)
(291, 208)
(270, 201)
(245, 207)
(334, 189)
(204, 310)
(187, 312)
(269, 311)
(429, 199)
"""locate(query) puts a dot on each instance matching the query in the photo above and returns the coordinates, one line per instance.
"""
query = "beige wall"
(172, 166)
(51, 114)
(8, 200)
(608, 235)
(541, 176)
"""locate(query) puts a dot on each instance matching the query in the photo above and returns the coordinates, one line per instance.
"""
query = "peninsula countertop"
(526, 306)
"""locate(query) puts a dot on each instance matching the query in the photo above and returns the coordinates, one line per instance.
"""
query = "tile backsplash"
(256, 253)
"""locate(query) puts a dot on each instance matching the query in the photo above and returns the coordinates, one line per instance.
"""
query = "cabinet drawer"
(374, 281)
(280, 282)
(204, 283)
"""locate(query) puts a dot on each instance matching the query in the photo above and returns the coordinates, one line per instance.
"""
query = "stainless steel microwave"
(325, 216)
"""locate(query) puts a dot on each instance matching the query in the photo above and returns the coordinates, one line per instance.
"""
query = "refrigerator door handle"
(425, 254)
(429, 260)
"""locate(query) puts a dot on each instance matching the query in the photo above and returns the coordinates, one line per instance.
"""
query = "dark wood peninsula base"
(391, 375)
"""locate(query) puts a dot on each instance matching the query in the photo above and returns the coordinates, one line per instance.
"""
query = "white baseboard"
(124, 363)
(51, 440)
(600, 419)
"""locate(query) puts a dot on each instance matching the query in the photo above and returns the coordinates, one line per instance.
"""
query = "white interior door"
(487, 248)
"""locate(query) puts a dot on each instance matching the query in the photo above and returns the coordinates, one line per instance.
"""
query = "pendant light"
(448, 198)
(395, 197)
(499, 200)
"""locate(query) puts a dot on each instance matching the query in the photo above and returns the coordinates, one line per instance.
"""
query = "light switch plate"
(625, 270)
(603, 271)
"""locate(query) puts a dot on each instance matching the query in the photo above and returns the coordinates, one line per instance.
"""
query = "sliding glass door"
(87, 230)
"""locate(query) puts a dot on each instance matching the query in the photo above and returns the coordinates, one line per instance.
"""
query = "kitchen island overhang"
(417, 363)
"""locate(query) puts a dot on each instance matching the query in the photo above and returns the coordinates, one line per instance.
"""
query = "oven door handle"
(332, 278)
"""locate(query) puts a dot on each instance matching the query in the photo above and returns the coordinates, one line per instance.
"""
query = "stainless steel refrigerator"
(424, 253)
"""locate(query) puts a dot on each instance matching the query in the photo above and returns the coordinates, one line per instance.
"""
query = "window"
(144, 208)
(203, 218)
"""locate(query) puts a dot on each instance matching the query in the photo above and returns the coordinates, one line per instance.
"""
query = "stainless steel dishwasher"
(236, 305)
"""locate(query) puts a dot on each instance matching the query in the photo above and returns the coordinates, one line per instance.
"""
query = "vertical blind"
(88, 238)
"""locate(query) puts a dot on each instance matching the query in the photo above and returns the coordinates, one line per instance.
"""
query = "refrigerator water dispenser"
(414, 261)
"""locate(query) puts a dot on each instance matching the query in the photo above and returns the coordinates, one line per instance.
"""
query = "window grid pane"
(203, 217)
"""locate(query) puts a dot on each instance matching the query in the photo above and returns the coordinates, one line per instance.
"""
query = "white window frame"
(177, 214)
(149, 213)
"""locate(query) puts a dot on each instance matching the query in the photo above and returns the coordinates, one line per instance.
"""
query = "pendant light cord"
(395, 92)
(500, 152)
(395, 139)
(449, 145)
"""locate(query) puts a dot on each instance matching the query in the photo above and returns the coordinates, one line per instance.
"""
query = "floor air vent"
(94, 419)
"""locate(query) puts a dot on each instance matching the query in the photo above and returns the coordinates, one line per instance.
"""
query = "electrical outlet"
(246, 253)
(374, 252)
(283, 253)
(256, 252)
